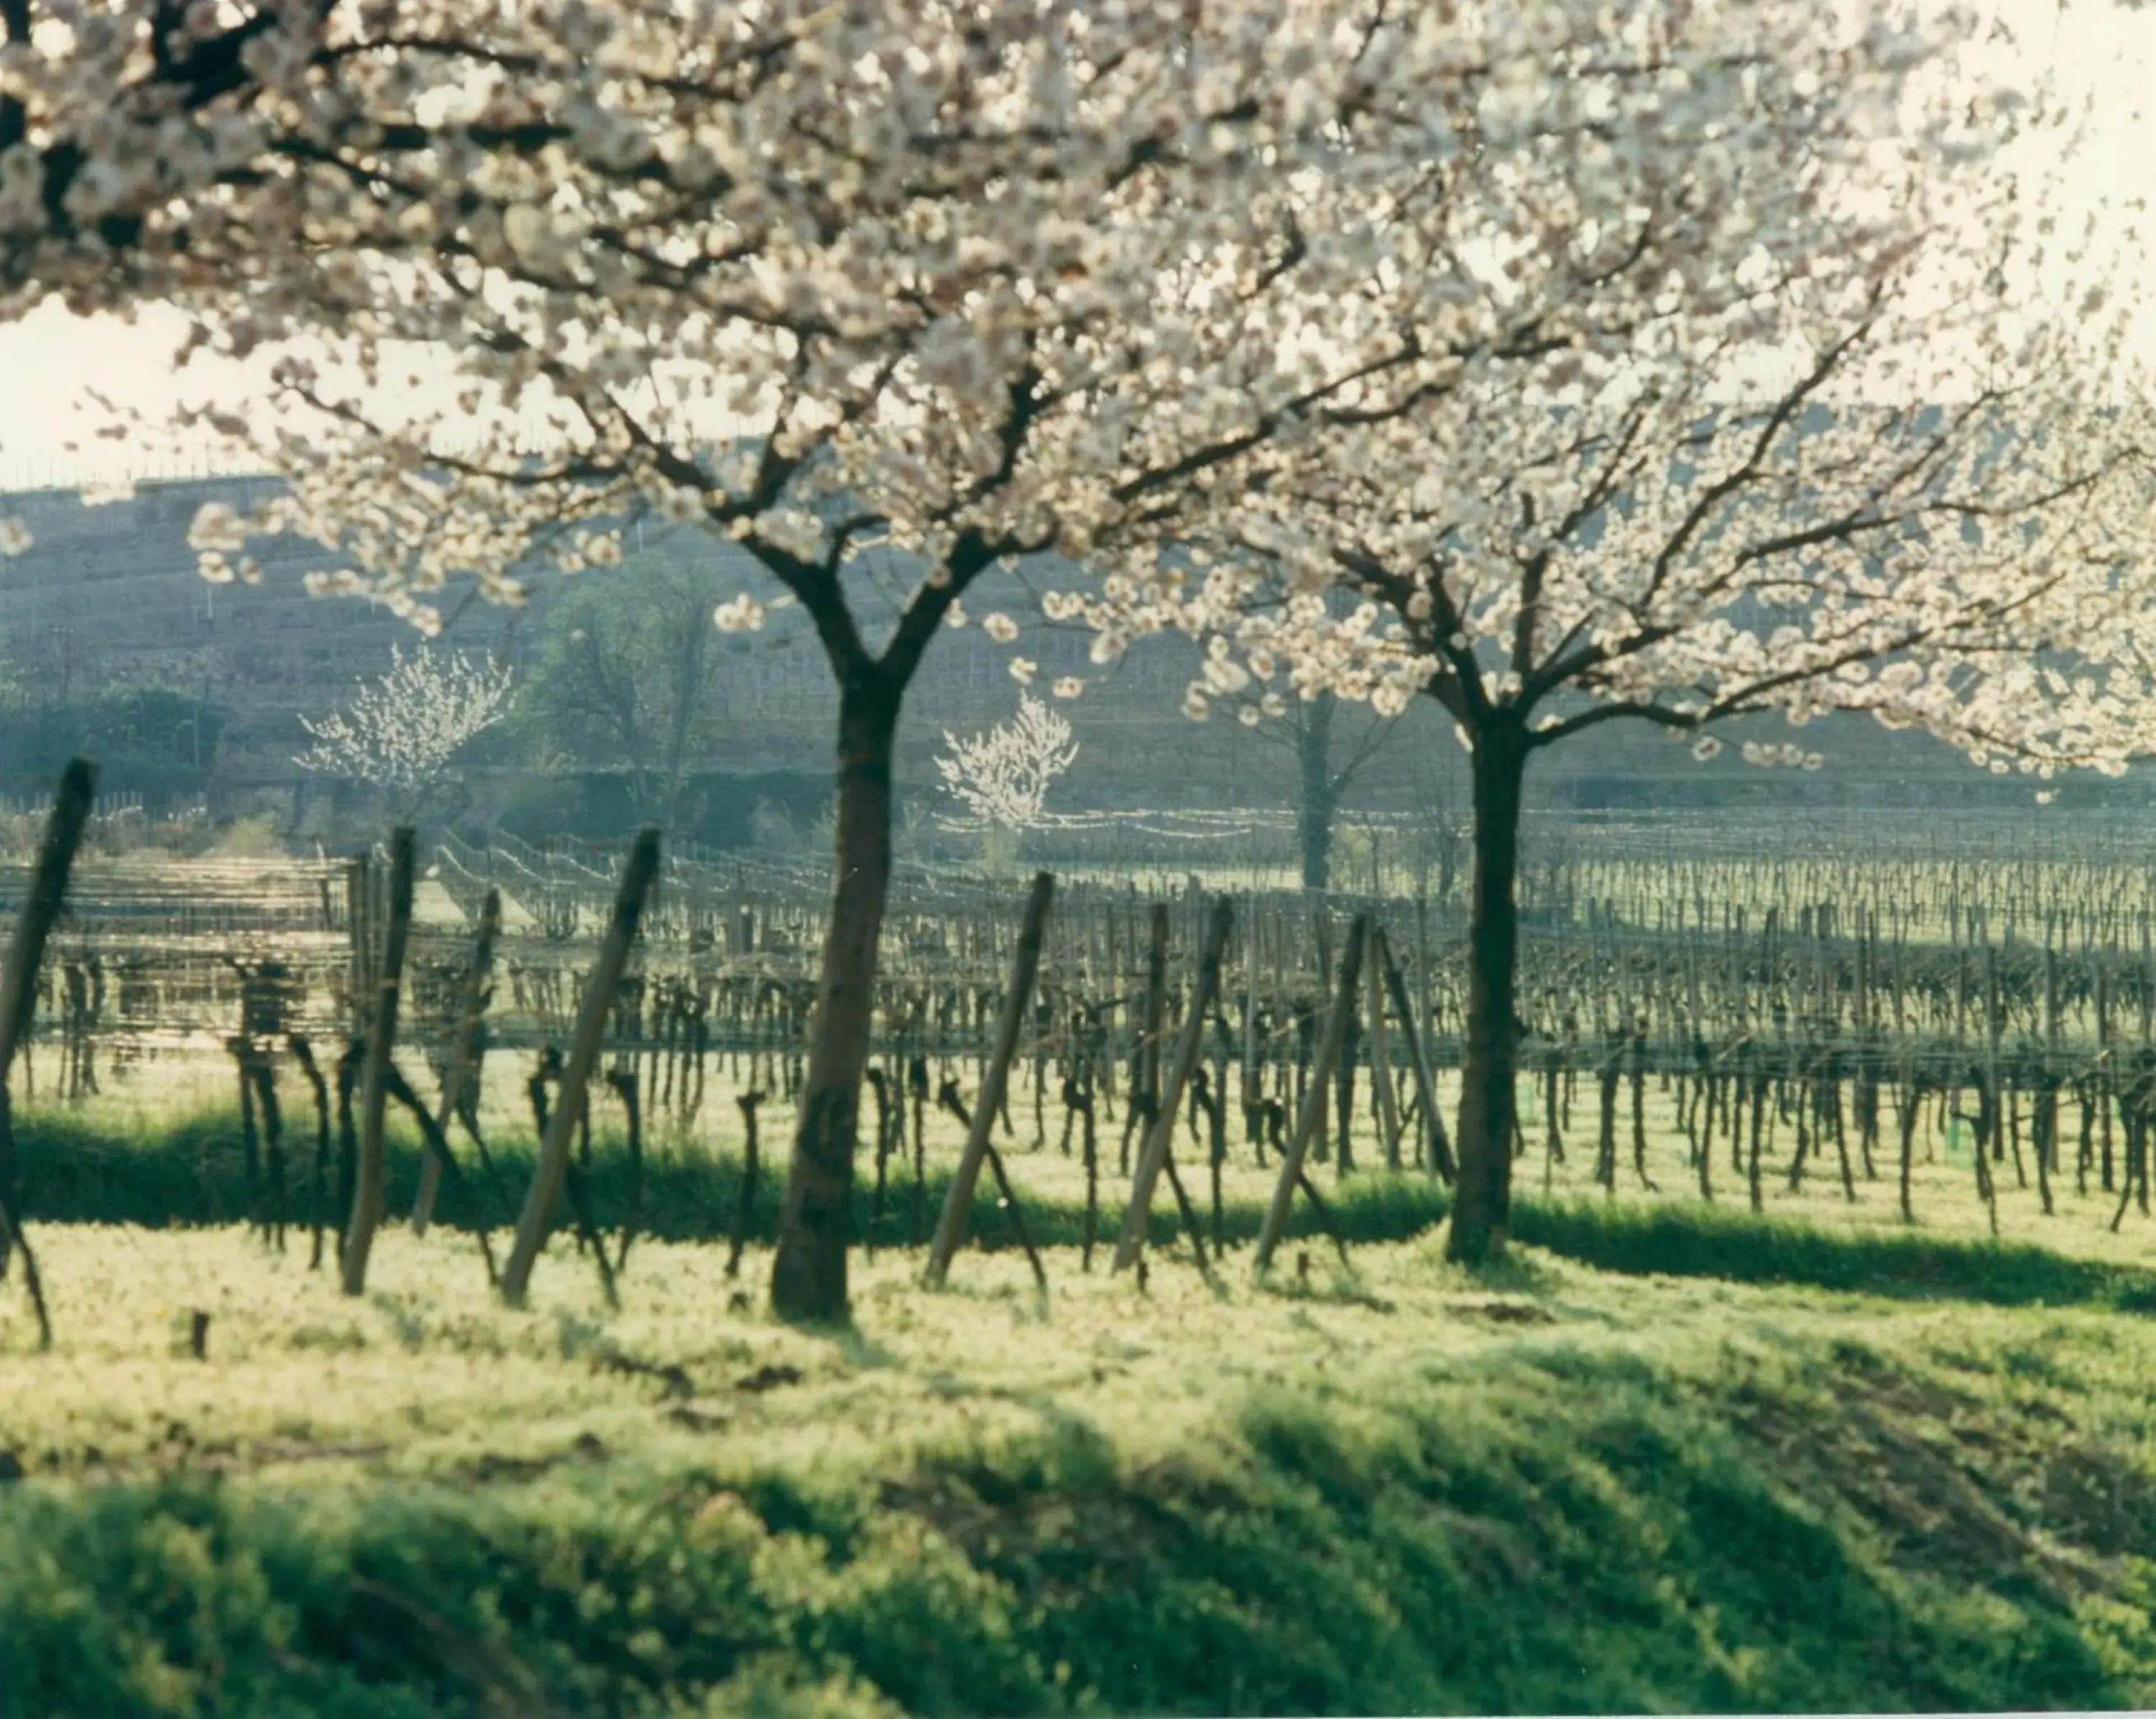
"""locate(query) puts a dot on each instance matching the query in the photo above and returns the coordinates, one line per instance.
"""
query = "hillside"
(108, 597)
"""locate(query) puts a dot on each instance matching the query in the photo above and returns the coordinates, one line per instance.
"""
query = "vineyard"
(1925, 1029)
(1051, 1472)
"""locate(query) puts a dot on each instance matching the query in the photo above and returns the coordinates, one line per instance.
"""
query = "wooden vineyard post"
(1145, 1090)
(374, 1076)
(552, 1170)
(1160, 1126)
(1427, 996)
(1381, 1058)
(471, 1003)
(1324, 925)
(436, 1146)
(1437, 1153)
(18, 998)
(2046, 1120)
(745, 1208)
(1990, 1105)
(356, 891)
(1314, 1098)
(1017, 1002)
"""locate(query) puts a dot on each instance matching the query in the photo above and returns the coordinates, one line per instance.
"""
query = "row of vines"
(1830, 1014)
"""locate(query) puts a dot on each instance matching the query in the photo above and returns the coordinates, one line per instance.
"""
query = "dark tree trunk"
(1482, 1207)
(1318, 795)
(809, 1276)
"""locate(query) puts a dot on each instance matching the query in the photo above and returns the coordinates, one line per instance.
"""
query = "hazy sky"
(49, 359)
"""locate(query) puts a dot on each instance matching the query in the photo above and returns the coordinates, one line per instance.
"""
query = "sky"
(50, 360)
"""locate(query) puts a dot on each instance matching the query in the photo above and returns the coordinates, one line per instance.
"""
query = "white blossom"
(218, 528)
(1003, 775)
(739, 614)
(792, 530)
(401, 730)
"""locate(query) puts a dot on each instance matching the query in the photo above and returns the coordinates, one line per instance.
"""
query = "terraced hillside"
(109, 596)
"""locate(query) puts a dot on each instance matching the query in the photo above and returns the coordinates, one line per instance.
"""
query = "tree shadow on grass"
(1695, 1241)
(193, 1173)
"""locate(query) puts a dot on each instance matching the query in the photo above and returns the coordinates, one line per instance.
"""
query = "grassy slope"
(1555, 1490)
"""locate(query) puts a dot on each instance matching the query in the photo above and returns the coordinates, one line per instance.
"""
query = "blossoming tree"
(1003, 774)
(403, 730)
(1816, 425)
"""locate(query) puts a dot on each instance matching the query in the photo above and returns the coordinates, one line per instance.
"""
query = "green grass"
(1414, 1490)
(191, 1171)
(1666, 1457)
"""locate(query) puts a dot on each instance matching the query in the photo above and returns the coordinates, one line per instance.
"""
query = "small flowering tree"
(401, 730)
(1003, 775)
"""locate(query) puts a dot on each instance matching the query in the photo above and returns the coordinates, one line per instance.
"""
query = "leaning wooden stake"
(18, 999)
(1017, 1219)
(552, 1167)
(1439, 1156)
(1316, 1095)
(1160, 1128)
(440, 1155)
(303, 1054)
(374, 1083)
(1018, 1005)
(471, 1006)
(1381, 1056)
(1251, 1022)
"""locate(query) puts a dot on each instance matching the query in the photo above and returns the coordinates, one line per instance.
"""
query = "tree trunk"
(688, 667)
(1482, 1203)
(1318, 797)
(808, 1277)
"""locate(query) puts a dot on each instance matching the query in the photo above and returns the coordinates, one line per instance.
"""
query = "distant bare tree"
(1329, 753)
(627, 677)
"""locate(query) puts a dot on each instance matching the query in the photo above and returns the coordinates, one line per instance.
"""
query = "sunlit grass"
(1405, 1488)
(1665, 1455)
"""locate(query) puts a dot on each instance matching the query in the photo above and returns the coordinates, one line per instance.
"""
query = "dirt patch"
(2098, 1500)
(1504, 1312)
(1065, 1541)
(1943, 1488)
